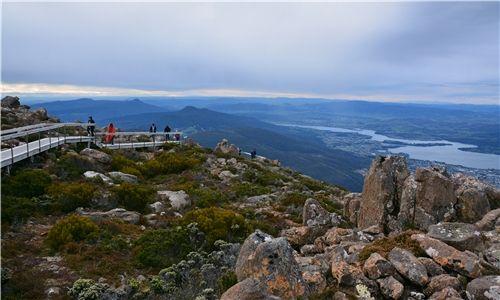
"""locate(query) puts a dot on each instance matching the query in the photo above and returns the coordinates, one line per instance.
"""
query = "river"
(449, 153)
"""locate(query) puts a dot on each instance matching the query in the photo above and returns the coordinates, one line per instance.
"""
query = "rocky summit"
(186, 222)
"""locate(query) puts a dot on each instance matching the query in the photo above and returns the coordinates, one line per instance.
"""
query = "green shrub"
(26, 183)
(71, 229)
(131, 170)
(17, 209)
(219, 224)
(134, 197)
(226, 281)
(249, 189)
(119, 162)
(171, 163)
(86, 289)
(293, 199)
(205, 197)
(69, 196)
(72, 166)
(164, 247)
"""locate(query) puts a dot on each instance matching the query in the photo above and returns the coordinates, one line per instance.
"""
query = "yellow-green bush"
(171, 163)
(205, 197)
(17, 209)
(70, 229)
(249, 189)
(219, 224)
(26, 183)
(68, 196)
(133, 196)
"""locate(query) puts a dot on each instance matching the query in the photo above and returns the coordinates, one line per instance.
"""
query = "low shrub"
(226, 281)
(72, 166)
(71, 229)
(219, 224)
(119, 162)
(26, 183)
(384, 245)
(68, 196)
(134, 197)
(172, 163)
(293, 199)
(163, 247)
(246, 189)
(206, 197)
(17, 209)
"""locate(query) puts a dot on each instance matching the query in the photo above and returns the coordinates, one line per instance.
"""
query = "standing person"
(91, 126)
(177, 136)
(167, 129)
(110, 135)
(152, 129)
(253, 154)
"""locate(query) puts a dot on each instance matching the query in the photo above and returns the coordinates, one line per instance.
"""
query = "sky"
(409, 52)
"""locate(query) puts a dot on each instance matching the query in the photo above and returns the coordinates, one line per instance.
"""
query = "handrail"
(138, 133)
(22, 131)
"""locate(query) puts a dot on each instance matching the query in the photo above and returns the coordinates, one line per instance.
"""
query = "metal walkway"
(30, 149)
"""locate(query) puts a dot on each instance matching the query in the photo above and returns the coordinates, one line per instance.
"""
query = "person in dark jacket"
(253, 154)
(152, 129)
(91, 126)
(167, 129)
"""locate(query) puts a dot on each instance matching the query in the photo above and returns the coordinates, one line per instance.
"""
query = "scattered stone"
(96, 155)
(462, 236)
(131, 217)
(178, 199)
(248, 289)
(489, 220)
(243, 264)
(93, 174)
(390, 287)
(484, 288)
(225, 148)
(448, 293)
(445, 255)
(129, 178)
(157, 207)
(227, 175)
(298, 236)
(433, 269)
(440, 282)
(53, 291)
(376, 266)
(313, 214)
(408, 266)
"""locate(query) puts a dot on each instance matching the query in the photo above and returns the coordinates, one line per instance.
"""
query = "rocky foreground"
(184, 222)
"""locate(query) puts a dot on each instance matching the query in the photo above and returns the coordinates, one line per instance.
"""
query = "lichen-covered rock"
(435, 195)
(271, 262)
(157, 207)
(440, 282)
(352, 203)
(433, 269)
(10, 102)
(489, 220)
(93, 174)
(484, 288)
(376, 266)
(448, 293)
(248, 289)
(406, 215)
(225, 148)
(117, 213)
(462, 236)
(96, 155)
(177, 199)
(301, 235)
(474, 198)
(390, 287)
(313, 214)
(129, 178)
(382, 190)
(465, 263)
(408, 266)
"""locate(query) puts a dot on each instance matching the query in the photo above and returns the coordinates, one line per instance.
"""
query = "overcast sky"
(418, 52)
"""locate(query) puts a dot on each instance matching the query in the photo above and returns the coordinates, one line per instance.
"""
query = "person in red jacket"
(110, 136)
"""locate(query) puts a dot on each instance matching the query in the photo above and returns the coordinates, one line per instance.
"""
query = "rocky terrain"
(185, 222)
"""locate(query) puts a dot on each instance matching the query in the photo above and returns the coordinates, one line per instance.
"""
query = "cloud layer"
(387, 51)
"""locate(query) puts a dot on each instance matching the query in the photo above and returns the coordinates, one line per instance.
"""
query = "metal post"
(39, 144)
(12, 155)
(27, 146)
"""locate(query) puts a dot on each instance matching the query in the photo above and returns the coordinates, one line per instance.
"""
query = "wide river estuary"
(449, 153)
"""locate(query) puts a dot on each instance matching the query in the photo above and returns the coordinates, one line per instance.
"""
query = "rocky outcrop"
(484, 288)
(462, 236)
(313, 214)
(465, 263)
(270, 261)
(10, 102)
(225, 147)
(408, 266)
(124, 177)
(117, 213)
(489, 220)
(382, 190)
(93, 175)
(248, 289)
(474, 198)
(352, 202)
(96, 155)
(177, 199)
(16, 115)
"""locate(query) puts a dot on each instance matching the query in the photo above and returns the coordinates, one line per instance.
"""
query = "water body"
(449, 153)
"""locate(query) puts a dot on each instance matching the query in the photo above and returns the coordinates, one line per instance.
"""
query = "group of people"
(167, 129)
(111, 130)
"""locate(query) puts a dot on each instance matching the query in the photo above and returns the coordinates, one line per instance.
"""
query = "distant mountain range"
(81, 109)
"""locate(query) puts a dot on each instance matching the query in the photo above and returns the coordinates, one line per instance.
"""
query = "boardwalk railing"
(42, 144)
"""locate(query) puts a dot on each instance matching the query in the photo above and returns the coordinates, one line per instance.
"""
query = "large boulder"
(313, 214)
(489, 220)
(10, 102)
(96, 155)
(131, 217)
(474, 198)
(462, 236)
(225, 147)
(435, 196)
(94, 175)
(352, 202)
(129, 178)
(248, 289)
(382, 190)
(408, 266)
(465, 263)
(271, 262)
(484, 288)
(299, 236)
(177, 199)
